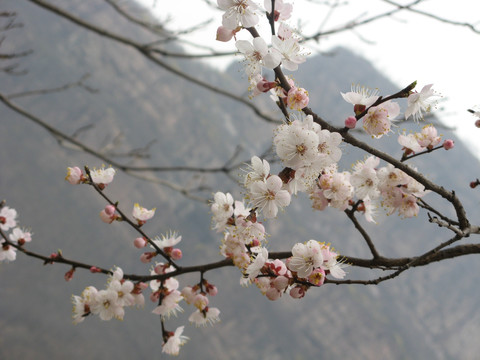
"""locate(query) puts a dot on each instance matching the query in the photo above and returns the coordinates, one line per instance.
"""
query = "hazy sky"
(405, 47)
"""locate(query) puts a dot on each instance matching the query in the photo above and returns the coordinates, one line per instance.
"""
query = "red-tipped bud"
(140, 242)
(448, 144)
(350, 122)
(176, 254)
(69, 274)
(95, 269)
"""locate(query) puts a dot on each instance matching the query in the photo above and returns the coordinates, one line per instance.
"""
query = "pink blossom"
(361, 98)
(20, 236)
(260, 169)
(174, 341)
(288, 47)
(257, 54)
(428, 137)
(410, 143)
(74, 175)
(7, 218)
(200, 301)
(209, 315)
(169, 305)
(102, 177)
(168, 241)
(225, 34)
(254, 269)
(268, 196)
(296, 145)
(7, 252)
(141, 214)
(418, 102)
(317, 277)
(297, 98)
(306, 257)
(238, 12)
(378, 119)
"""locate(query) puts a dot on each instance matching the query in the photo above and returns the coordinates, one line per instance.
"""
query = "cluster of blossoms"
(387, 186)
(427, 139)
(308, 266)
(17, 236)
(306, 149)
(101, 177)
(108, 303)
(378, 119)
(244, 239)
(310, 155)
(166, 294)
(285, 46)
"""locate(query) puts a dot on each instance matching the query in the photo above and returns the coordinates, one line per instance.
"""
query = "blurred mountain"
(426, 313)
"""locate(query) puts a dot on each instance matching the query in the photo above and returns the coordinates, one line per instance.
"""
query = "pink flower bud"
(212, 290)
(200, 301)
(176, 254)
(146, 257)
(108, 214)
(188, 294)
(224, 34)
(95, 269)
(273, 294)
(74, 175)
(278, 267)
(110, 210)
(263, 85)
(160, 269)
(448, 144)
(154, 296)
(139, 243)
(280, 283)
(351, 122)
(477, 123)
(297, 292)
(69, 274)
(143, 285)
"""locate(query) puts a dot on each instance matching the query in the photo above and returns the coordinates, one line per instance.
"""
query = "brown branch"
(354, 24)
(130, 222)
(361, 230)
(147, 52)
(435, 17)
